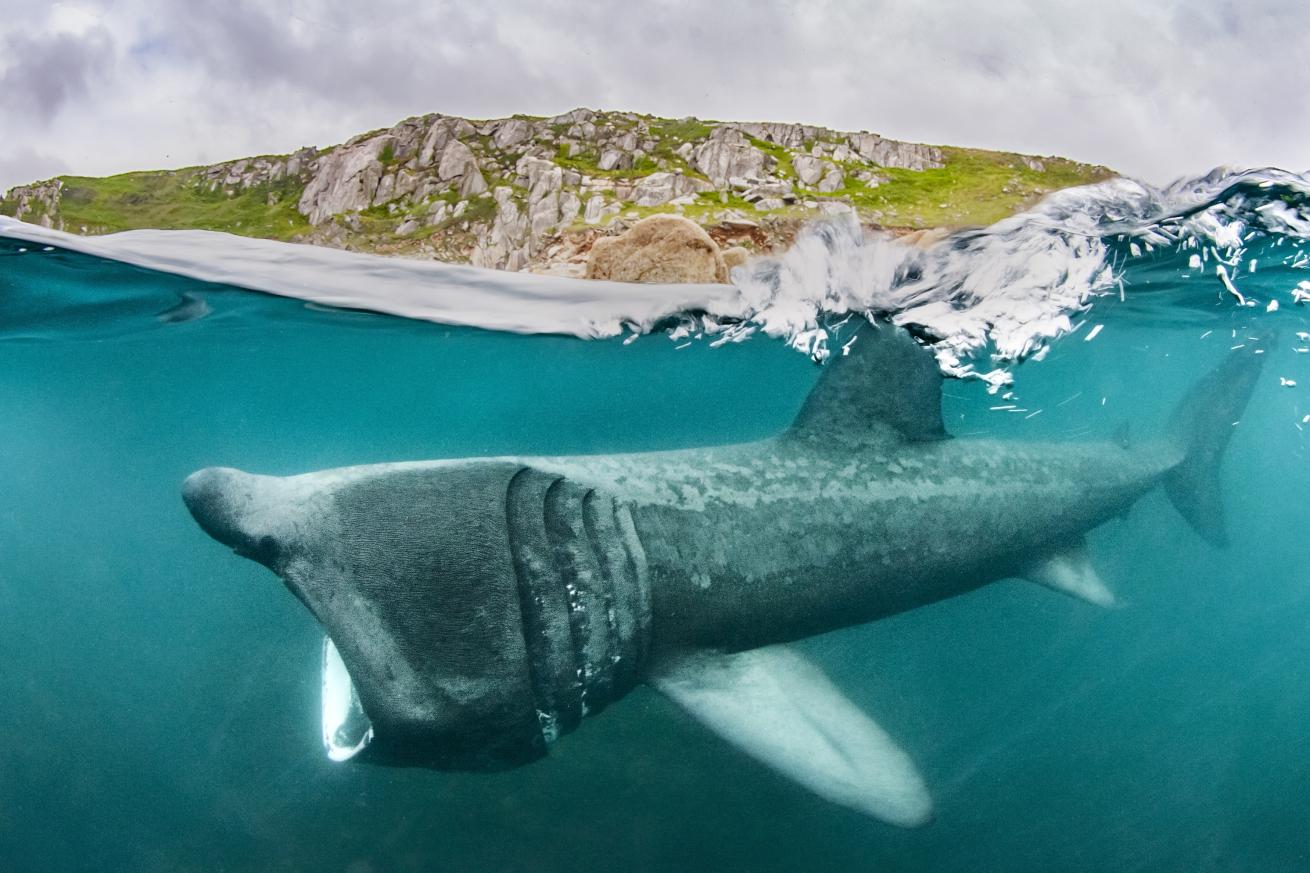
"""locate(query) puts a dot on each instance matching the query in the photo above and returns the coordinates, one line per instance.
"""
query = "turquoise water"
(161, 695)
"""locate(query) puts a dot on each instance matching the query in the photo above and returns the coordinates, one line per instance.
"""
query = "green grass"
(783, 168)
(180, 199)
(588, 163)
(970, 190)
(679, 130)
(974, 188)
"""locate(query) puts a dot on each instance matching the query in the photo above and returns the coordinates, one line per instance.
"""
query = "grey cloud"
(30, 165)
(1152, 89)
(330, 52)
(43, 73)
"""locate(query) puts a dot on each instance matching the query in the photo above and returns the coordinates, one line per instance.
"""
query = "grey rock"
(345, 179)
(407, 227)
(770, 203)
(569, 206)
(543, 215)
(593, 212)
(574, 116)
(511, 132)
(727, 155)
(832, 179)
(808, 169)
(386, 190)
(541, 177)
(660, 188)
(427, 186)
(610, 159)
(893, 153)
(584, 131)
(779, 189)
(473, 183)
(406, 183)
(792, 136)
(442, 131)
(506, 236)
(456, 160)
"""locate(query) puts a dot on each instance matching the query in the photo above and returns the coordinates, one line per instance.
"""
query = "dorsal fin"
(880, 385)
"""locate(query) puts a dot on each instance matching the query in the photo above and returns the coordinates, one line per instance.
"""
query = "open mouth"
(347, 730)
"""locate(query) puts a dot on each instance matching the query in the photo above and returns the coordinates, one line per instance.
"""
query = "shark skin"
(483, 607)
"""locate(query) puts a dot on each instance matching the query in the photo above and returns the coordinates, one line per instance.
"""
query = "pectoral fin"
(779, 708)
(1071, 572)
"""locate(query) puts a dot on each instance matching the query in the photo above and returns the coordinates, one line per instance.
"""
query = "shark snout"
(226, 504)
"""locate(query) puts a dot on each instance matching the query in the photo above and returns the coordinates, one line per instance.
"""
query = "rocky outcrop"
(891, 153)
(516, 193)
(37, 203)
(660, 188)
(728, 158)
(345, 180)
(662, 248)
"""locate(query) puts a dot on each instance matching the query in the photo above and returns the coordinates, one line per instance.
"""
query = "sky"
(1155, 90)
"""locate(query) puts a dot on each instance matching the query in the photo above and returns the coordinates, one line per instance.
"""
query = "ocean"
(161, 695)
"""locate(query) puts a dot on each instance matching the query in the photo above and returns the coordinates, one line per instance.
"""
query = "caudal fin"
(1202, 424)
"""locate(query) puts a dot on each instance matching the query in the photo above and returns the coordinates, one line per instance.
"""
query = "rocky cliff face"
(516, 193)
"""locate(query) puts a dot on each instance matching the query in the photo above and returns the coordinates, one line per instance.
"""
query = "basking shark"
(476, 610)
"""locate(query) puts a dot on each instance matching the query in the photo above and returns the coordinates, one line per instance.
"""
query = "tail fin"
(1202, 424)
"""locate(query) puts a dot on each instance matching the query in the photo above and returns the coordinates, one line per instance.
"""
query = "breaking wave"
(983, 298)
(1004, 291)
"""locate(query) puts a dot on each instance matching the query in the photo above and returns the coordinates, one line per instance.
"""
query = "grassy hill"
(501, 192)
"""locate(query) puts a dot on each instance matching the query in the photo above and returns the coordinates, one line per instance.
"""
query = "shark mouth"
(347, 730)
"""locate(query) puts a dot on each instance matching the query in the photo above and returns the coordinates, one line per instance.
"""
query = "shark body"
(478, 609)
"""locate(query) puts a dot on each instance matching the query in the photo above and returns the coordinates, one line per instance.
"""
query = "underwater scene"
(983, 556)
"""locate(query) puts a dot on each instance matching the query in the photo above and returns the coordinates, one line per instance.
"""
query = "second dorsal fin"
(880, 385)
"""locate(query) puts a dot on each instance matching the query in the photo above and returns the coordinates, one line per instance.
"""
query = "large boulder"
(442, 131)
(809, 169)
(346, 179)
(456, 160)
(833, 178)
(661, 248)
(511, 132)
(659, 188)
(728, 155)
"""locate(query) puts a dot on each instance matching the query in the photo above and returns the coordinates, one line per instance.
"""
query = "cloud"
(1155, 90)
(42, 73)
(27, 163)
